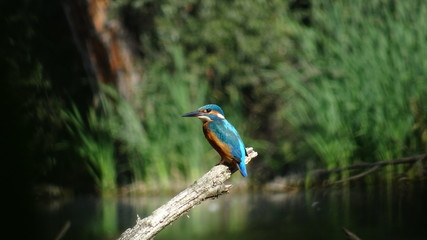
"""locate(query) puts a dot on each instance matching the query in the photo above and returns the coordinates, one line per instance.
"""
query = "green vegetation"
(344, 80)
(159, 147)
(308, 84)
(365, 76)
(330, 84)
(172, 148)
(95, 144)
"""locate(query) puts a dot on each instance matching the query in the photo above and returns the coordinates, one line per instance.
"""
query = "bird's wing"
(229, 135)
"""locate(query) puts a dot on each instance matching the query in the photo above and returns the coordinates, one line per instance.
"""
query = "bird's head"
(207, 113)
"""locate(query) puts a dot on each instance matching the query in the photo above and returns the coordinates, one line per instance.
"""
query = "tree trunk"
(103, 44)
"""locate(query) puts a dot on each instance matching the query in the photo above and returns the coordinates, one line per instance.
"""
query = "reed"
(346, 84)
(92, 140)
(365, 71)
(174, 148)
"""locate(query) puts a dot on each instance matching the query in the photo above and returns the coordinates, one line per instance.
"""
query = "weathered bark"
(103, 45)
(210, 185)
(350, 235)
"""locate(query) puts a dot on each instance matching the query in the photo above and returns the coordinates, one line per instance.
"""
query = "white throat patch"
(204, 118)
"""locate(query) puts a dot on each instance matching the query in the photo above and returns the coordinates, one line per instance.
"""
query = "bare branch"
(360, 175)
(405, 160)
(210, 185)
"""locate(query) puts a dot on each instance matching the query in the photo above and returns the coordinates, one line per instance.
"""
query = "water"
(396, 212)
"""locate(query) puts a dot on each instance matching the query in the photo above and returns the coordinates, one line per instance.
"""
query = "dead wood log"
(210, 185)
(350, 235)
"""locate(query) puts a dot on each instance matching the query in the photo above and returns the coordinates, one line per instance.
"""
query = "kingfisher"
(222, 136)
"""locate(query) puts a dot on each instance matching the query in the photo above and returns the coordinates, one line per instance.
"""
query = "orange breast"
(222, 148)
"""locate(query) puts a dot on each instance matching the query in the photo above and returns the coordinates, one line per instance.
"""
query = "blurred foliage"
(307, 83)
(174, 148)
(236, 47)
(323, 83)
(93, 140)
(40, 74)
(153, 146)
(365, 75)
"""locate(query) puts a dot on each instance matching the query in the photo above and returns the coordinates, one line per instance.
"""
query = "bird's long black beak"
(192, 114)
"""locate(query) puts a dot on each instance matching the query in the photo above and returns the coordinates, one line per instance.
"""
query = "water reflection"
(371, 213)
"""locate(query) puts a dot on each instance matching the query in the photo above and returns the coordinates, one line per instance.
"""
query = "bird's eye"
(208, 110)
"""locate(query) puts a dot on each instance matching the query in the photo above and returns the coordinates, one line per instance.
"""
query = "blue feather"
(228, 134)
(213, 107)
(215, 123)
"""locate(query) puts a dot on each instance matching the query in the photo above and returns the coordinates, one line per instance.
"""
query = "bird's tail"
(242, 168)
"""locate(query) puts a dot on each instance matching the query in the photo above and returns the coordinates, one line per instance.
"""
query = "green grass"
(161, 149)
(174, 149)
(94, 143)
(365, 74)
(346, 85)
